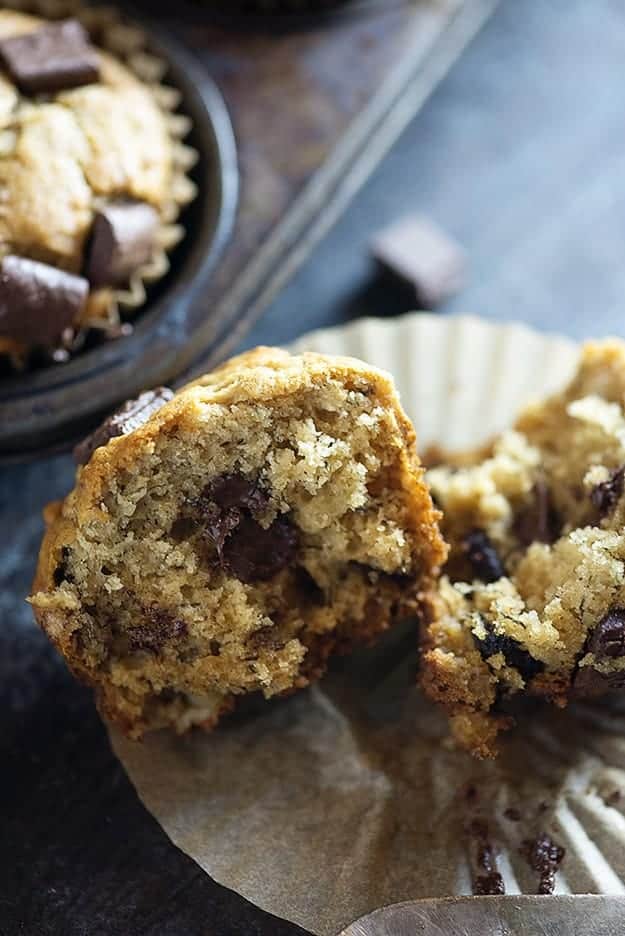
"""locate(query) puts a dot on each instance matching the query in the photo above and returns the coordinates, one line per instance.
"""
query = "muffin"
(228, 539)
(88, 172)
(533, 602)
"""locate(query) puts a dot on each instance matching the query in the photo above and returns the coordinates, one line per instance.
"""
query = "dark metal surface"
(497, 916)
(519, 154)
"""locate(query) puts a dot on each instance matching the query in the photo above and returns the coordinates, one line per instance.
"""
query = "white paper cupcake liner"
(350, 796)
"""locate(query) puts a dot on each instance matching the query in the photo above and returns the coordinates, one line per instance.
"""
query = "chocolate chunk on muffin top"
(534, 599)
(86, 169)
(227, 540)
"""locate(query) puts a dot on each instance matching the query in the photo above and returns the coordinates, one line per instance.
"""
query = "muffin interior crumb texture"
(534, 596)
(268, 514)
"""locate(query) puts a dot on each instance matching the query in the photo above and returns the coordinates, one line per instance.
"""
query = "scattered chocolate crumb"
(514, 654)
(471, 793)
(157, 628)
(489, 884)
(539, 522)
(613, 798)
(606, 495)
(488, 880)
(483, 556)
(545, 857)
(513, 814)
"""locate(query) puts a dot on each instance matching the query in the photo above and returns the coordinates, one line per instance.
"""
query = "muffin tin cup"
(350, 796)
(47, 409)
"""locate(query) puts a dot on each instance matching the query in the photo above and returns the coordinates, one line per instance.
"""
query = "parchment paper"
(348, 796)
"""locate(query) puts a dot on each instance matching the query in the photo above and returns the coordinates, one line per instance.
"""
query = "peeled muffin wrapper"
(110, 32)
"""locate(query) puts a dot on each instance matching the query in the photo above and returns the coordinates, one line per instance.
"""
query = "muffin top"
(86, 165)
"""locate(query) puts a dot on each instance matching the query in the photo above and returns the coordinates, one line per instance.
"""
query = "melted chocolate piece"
(236, 491)
(514, 654)
(606, 641)
(122, 240)
(418, 253)
(51, 58)
(539, 522)
(245, 549)
(253, 554)
(545, 857)
(483, 556)
(38, 302)
(127, 418)
(606, 495)
(157, 628)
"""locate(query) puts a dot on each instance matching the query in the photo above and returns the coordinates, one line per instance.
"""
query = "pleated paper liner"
(350, 796)
(131, 46)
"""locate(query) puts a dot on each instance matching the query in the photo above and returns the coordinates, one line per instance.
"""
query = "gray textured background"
(521, 155)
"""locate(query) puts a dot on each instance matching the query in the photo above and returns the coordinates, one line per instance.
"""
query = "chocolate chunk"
(253, 554)
(420, 254)
(51, 58)
(539, 522)
(608, 637)
(157, 628)
(514, 654)
(545, 857)
(245, 549)
(127, 418)
(483, 556)
(38, 302)
(122, 240)
(606, 495)
(606, 641)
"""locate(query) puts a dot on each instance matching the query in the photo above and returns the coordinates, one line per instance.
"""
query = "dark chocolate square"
(52, 58)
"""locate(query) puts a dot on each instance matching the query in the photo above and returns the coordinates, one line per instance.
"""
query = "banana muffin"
(534, 596)
(226, 539)
(86, 174)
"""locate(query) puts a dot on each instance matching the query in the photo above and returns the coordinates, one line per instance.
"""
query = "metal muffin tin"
(46, 410)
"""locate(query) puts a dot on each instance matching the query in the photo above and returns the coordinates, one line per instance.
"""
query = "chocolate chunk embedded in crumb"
(514, 654)
(539, 522)
(606, 495)
(127, 418)
(51, 58)
(122, 240)
(157, 628)
(38, 303)
(253, 553)
(420, 254)
(545, 857)
(483, 556)
(605, 642)
(227, 511)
